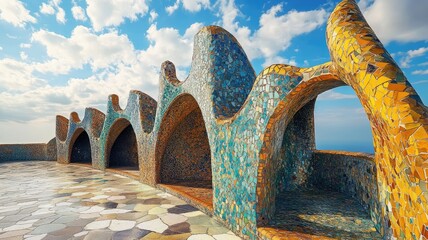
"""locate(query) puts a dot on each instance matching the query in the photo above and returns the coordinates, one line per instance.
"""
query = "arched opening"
(317, 194)
(122, 150)
(183, 153)
(81, 148)
(341, 123)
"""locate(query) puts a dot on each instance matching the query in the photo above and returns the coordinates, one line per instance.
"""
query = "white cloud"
(83, 47)
(333, 95)
(423, 64)
(53, 7)
(78, 13)
(11, 36)
(33, 104)
(153, 16)
(60, 16)
(278, 60)
(276, 30)
(105, 13)
(229, 11)
(417, 52)
(14, 12)
(23, 55)
(305, 63)
(19, 132)
(420, 82)
(409, 55)
(168, 44)
(171, 9)
(1, 48)
(364, 4)
(189, 5)
(420, 72)
(397, 20)
(16, 76)
(25, 45)
(195, 5)
(47, 9)
(111, 49)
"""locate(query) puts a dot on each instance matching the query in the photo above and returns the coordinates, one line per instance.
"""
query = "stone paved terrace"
(47, 200)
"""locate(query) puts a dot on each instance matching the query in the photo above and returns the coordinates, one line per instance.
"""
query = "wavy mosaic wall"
(251, 137)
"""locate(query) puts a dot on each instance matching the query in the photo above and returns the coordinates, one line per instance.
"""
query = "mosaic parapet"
(51, 150)
(397, 115)
(139, 112)
(28, 152)
(354, 174)
(68, 130)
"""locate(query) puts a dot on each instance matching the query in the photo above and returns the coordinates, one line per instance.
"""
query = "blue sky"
(62, 56)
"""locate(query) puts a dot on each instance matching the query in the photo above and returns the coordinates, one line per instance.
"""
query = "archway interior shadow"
(186, 162)
(81, 150)
(308, 203)
(124, 152)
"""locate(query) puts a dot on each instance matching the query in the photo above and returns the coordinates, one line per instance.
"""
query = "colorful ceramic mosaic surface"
(241, 147)
(45, 200)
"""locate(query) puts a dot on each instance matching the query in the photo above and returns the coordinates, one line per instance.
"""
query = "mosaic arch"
(80, 148)
(136, 119)
(251, 122)
(122, 150)
(68, 131)
(183, 152)
(291, 170)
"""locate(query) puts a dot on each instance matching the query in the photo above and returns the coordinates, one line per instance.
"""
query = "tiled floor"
(46, 200)
(321, 215)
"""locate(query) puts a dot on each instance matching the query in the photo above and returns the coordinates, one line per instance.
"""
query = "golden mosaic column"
(398, 118)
